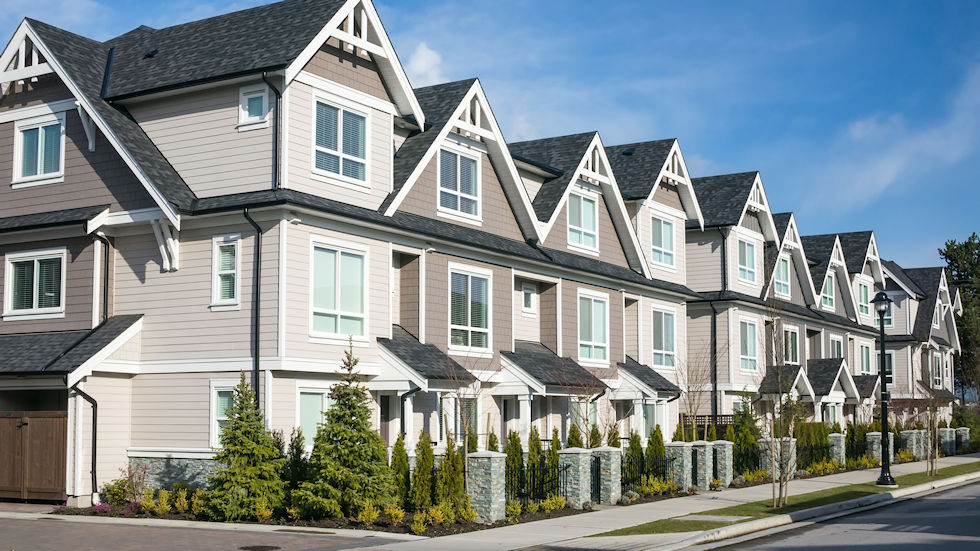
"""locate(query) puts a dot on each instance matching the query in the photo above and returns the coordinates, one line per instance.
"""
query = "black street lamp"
(882, 303)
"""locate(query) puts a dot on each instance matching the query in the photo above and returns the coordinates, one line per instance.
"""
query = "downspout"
(105, 276)
(95, 428)
(714, 363)
(401, 405)
(256, 289)
(275, 130)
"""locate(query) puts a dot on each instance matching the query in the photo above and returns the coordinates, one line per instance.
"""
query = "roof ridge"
(537, 140)
(730, 174)
(444, 84)
(644, 142)
(33, 22)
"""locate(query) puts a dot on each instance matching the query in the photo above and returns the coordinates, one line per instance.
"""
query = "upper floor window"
(782, 278)
(865, 359)
(864, 298)
(253, 106)
(836, 348)
(791, 346)
(35, 283)
(224, 270)
(937, 371)
(529, 299)
(935, 316)
(338, 287)
(663, 242)
(593, 328)
(341, 142)
(888, 316)
(888, 374)
(746, 261)
(583, 215)
(663, 339)
(748, 346)
(469, 310)
(39, 149)
(459, 184)
(827, 296)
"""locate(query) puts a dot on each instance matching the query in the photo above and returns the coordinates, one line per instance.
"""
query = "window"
(253, 106)
(577, 413)
(529, 299)
(583, 213)
(338, 285)
(39, 149)
(341, 142)
(222, 398)
(663, 339)
(469, 316)
(791, 346)
(459, 184)
(937, 372)
(889, 358)
(888, 317)
(935, 316)
(864, 298)
(782, 278)
(827, 295)
(224, 270)
(35, 283)
(663, 242)
(593, 414)
(836, 348)
(650, 417)
(593, 322)
(746, 261)
(865, 359)
(830, 412)
(313, 404)
(748, 347)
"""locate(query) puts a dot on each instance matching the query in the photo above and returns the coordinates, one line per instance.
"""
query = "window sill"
(470, 352)
(30, 316)
(459, 217)
(40, 181)
(531, 315)
(583, 250)
(224, 307)
(338, 180)
(746, 281)
(782, 296)
(252, 125)
(662, 266)
(322, 338)
(594, 363)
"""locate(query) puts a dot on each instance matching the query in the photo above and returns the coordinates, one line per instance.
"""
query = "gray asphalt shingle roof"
(426, 359)
(648, 376)
(855, 248)
(823, 374)
(781, 220)
(563, 153)
(637, 165)
(818, 249)
(38, 353)
(926, 279)
(40, 220)
(722, 198)
(866, 385)
(779, 380)
(548, 368)
(787, 307)
(899, 273)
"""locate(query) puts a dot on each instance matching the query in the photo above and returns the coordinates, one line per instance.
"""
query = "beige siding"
(703, 263)
(548, 315)
(569, 324)
(796, 283)
(172, 410)
(667, 194)
(610, 247)
(129, 351)
(698, 329)
(78, 286)
(198, 133)
(347, 68)
(840, 307)
(407, 294)
(113, 393)
(298, 155)
(527, 326)
(47, 88)
(643, 224)
(631, 328)
(182, 326)
(497, 217)
(900, 308)
(702, 364)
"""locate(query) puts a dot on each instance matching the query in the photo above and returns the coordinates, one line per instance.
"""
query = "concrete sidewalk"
(560, 532)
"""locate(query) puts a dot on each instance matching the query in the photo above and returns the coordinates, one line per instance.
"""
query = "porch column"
(636, 422)
(524, 419)
(411, 438)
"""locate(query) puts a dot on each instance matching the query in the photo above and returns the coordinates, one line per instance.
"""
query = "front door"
(32, 454)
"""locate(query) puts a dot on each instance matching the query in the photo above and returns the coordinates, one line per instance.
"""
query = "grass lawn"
(763, 509)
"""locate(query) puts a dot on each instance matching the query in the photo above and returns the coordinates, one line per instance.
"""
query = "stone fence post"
(724, 452)
(610, 473)
(837, 447)
(873, 440)
(579, 485)
(947, 441)
(962, 439)
(925, 444)
(486, 481)
(703, 465)
(786, 456)
(680, 467)
(910, 443)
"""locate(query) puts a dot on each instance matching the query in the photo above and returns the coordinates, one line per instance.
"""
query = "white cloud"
(425, 66)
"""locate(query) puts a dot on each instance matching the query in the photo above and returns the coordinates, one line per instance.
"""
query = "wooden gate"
(33, 445)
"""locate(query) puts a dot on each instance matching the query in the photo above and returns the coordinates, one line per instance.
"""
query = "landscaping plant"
(401, 471)
(595, 436)
(422, 480)
(574, 438)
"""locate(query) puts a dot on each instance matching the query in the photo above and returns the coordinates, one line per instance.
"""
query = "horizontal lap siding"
(570, 322)
(796, 284)
(113, 393)
(48, 88)
(703, 252)
(527, 327)
(172, 410)
(610, 247)
(78, 286)
(683, 357)
(644, 230)
(734, 283)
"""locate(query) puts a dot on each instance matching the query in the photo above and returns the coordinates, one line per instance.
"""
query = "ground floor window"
(312, 405)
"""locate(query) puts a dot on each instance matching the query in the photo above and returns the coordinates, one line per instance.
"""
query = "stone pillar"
(485, 478)
(873, 440)
(680, 467)
(610, 473)
(786, 456)
(724, 452)
(947, 441)
(925, 446)
(962, 439)
(524, 405)
(837, 448)
(702, 459)
(910, 442)
(579, 485)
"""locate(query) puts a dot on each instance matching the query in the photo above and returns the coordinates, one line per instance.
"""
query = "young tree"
(595, 437)
(634, 452)
(574, 437)
(422, 479)
(655, 452)
(247, 479)
(552, 454)
(401, 471)
(297, 467)
(612, 438)
(349, 459)
(493, 444)
(535, 451)
(451, 488)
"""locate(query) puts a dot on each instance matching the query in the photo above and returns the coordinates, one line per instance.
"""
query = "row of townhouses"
(257, 191)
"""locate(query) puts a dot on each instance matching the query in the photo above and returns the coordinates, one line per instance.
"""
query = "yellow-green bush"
(162, 507)
(368, 514)
(395, 513)
(755, 475)
(180, 500)
(418, 525)
(513, 510)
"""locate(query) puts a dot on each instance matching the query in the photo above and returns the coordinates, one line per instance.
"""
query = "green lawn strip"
(763, 509)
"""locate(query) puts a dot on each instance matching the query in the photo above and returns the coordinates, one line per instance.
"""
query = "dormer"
(864, 267)
(786, 265)
(830, 276)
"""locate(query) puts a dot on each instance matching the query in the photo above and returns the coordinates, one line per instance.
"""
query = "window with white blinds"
(469, 311)
(39, 149)
(663, 242)
(593, 328)
(663, 339)
(748, 346)
(35, 283)
(225, 270)
(827, 296)
(340, 147)
(583, 214)
(782, 278)
(339, 283)
(459, 184)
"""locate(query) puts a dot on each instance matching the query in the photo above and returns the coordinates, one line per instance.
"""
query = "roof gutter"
(198, 82)
(276, 180)
(256, 290)
(95, 428)
(401, 404)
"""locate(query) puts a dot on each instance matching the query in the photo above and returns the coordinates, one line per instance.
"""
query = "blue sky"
(858, 114)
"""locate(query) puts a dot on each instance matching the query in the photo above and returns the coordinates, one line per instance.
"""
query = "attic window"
(583, 213)
(459, 185)
(39, 150)
(782, 287)
(253, 107)
(827, 297)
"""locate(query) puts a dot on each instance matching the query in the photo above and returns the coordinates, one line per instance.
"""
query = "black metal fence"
(746, 459)
(535, 483)
(596, 472)
(855, 449)
(810, 454)
(633, 469)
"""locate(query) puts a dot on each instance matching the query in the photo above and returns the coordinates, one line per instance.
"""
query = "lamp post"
(882, 303)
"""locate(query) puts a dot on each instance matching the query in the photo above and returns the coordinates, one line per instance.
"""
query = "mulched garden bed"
(652, 498)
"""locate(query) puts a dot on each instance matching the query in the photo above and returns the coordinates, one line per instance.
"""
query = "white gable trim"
(86, 368)
(798, 256)
(768, 224)
(688, 198)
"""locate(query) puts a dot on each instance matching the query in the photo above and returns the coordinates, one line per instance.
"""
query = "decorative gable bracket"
(24, 63)
(87, 124)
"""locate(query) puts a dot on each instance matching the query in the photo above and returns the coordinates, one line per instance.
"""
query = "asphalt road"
(944, 520)
(57, 535)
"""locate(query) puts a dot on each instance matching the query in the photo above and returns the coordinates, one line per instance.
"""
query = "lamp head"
(881, 302)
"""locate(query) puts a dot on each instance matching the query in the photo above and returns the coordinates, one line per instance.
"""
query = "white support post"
(524, 401)
(173, 245)
(87, 124)
(164, 258)
(410, 436)
(636, 420)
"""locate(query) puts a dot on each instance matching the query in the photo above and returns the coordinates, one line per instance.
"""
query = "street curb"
(745, 528)
(214, 526)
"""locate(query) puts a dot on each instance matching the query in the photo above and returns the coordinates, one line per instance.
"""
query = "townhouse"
(180, 213)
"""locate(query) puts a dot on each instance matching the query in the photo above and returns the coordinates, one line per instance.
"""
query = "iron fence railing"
(535, 483)
(746, 459)
(633, 469)
(810, 454)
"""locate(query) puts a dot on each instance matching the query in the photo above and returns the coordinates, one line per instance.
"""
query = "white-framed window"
(338, 285)
(935, 315)
(781, 286)
(469, 309)
(225, 270)
(593, 327)
(831, 413)
(791, 345)
(748, 345)
(746, 261)
(662, 251)
(650, 417)
(836, 347)
(888, 316)
(529, 299)
(937, 371)
(253, 107)
(459, 185)
(864, 298)
(664, 330)
(222, 398)
(583, 222)
(34, 284)
(340, 142)
(888, 375)
(827, 294)
(311, 407)
(865, 359)
(39, 150)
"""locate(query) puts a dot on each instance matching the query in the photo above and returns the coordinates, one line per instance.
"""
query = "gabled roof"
(782, 379)
(538, 361)
(781, 219)
(425, 359)
(638, 165)
(648, 376)
(787, 307)
(787, 231)
(855, 246)
(40, 220)
(867, 385)
(563, 153)
(722, 198)
(819, 249)
(897, 273)
(928, 280)
(825, 373)
(59, 352)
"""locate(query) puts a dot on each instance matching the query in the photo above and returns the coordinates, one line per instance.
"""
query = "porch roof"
(648, 376)
(425, 359)
(57, 352)
(51, 219)
(538, 361)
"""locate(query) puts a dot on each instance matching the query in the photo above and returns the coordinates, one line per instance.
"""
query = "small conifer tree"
(349, 459)
(422, 479)
(403, 475)
(574, 438)
(535, 451)
(514, 462)
(249, 463)
(712, 433)
(612, 439)
(655, 452)
(595, 436)
(472, 443)
(730, 433)
(678, 434)
(552, 455)
(451, 490)
(493, 444)
(634, 453)
(297, 468)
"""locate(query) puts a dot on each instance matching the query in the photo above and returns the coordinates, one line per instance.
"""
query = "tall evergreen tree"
(574, 438)
(552, 456)
(634, 452)
(656, 451)
(535, 451)
(349, 459)
(612, 439)
(422, 474)
(401, 470)
(451, 488)
(963, 271)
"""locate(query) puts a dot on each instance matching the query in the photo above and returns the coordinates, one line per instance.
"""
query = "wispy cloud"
(424, 66)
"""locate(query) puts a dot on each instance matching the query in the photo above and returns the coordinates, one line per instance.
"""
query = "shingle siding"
(348, 69)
